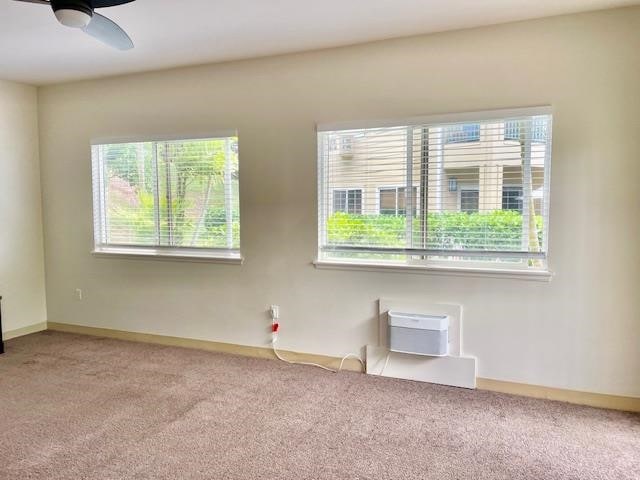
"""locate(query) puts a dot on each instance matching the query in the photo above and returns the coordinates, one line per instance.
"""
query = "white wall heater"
(419, 334)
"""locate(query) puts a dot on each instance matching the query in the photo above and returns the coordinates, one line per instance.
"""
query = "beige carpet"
(75, 407)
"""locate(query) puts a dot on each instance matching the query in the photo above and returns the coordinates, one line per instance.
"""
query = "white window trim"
(183, 254)
(470, 117)
(215, 134)
(207, 255)
(434, 269)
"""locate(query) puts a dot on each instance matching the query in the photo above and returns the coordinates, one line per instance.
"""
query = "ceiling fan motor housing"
(72, 13)
(79, 14)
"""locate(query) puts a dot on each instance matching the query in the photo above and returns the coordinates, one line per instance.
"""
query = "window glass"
(181, 194)
(476, 195)
(469, 201)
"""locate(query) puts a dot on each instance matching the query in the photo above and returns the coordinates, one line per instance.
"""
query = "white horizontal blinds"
(174, 194)
(460, 190)
(372, 170)
(126, 201)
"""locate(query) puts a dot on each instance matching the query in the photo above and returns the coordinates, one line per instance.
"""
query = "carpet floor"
(80, 407)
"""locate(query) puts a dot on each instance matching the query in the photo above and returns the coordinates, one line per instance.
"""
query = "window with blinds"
(167, 197)
(463, 191)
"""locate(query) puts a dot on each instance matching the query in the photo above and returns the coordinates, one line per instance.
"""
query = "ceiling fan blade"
(108, 3)
(44, 2)
(108, 32)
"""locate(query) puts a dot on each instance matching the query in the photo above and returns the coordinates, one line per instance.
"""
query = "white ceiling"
(34, 48)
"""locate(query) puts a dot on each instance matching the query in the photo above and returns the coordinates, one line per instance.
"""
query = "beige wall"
(21, 252)
(580, 331)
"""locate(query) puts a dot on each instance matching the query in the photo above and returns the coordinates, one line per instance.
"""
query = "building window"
(175, 198)
(346, 144)
(533, 127)
(512, 198)
(393, 200)
(469, 200)
(342, 146)
(463, 132)
(347, 200)
(477, 220)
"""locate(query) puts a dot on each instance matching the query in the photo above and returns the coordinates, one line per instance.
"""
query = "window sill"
(169, 254)
(514, 274)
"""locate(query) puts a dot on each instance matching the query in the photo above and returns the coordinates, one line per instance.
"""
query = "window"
(481, 205)
(392, 200)
(537, 130)
(343, 146)
(176, 197)
(346, 144)
(512, 198)
(464, 132)
(347, 201)
(469, 200)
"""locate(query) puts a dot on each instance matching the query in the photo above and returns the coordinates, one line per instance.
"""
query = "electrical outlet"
(78, 294)
(274, 311)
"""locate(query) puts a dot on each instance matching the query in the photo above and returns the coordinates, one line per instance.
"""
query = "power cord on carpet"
(274, 340)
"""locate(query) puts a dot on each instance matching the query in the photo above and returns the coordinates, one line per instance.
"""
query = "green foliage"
(200, 162)
(193, 161)
(497, 230)
(189, 176)
(351, 229)
(217, 216)
(123, 160)
(133, 226)
(216, 227)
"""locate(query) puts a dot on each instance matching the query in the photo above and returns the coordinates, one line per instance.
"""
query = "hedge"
(496, 230)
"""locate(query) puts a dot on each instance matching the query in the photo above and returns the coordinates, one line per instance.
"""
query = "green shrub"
(133, 224)
(216, 227)
(497, 230)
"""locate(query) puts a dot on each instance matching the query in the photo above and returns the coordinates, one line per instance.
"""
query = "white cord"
(386, 362)
(300, 363)
(280, 357)
(352, 355)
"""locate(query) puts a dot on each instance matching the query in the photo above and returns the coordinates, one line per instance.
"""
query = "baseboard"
(19, 332)
(600, 400)
(613, 402)
(244, 350)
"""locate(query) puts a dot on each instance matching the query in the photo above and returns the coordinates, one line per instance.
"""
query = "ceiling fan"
(81, 14)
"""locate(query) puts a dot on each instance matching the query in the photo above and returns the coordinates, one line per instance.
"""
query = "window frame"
(508, 137)
(468, 188)
(464, 133)
(416, 194)
(160, 252)
(447, 267)
(346, 198)
(510, 187)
